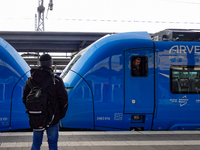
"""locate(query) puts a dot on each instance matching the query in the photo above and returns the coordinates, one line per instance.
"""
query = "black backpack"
(38, 107)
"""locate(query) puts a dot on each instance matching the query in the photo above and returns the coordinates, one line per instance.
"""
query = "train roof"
(132, 39)
(177, 35)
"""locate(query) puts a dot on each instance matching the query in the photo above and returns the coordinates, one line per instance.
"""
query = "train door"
(139, 81)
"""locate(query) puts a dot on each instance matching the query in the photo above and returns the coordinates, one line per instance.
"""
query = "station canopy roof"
(60, 45)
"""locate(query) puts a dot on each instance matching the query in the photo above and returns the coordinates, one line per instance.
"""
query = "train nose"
(80, 114)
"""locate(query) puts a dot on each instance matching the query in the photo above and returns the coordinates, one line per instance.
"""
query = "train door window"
(185, 79)
(139, 66)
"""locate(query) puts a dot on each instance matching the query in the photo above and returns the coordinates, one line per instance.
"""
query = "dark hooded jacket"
(57, 95)
(136, 71)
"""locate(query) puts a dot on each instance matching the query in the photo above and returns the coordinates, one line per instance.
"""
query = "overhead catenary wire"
(117, 21)
(186, 2)
(127, 21)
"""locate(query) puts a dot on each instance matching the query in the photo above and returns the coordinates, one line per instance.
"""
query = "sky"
(111, 16)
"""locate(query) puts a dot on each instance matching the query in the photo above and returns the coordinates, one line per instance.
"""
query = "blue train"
(105, 94)
(104, 91)
(13, 75)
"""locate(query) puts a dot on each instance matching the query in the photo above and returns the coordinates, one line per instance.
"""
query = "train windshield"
(77, 57)
(185, 79)
(72, 62)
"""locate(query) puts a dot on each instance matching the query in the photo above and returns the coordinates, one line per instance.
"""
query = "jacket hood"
(41, 73)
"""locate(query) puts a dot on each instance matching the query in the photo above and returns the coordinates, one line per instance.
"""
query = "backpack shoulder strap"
(30, 84)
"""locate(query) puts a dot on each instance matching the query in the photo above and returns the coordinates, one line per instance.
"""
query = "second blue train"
(104, 93)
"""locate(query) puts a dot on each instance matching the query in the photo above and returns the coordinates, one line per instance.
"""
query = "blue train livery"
(13, 75)
(126, 81)
(106, 94)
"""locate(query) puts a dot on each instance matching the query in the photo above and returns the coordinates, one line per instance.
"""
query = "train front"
(95, 83)
(14, 72)
(80, 106)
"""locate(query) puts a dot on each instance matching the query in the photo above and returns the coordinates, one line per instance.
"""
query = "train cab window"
(185, 79)
(72, 62)
(139, 66)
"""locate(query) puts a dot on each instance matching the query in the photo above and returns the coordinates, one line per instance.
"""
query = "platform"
(100, 140)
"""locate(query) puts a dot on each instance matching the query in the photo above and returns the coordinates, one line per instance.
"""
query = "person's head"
(137, 62)
(46, 60)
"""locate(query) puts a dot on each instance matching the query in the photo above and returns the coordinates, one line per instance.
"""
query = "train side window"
(185, 79)
(139, 66)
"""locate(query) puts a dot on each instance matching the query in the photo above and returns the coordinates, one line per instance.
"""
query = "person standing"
(56, 94)
(136, 67)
